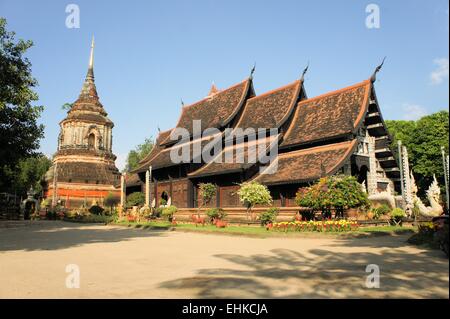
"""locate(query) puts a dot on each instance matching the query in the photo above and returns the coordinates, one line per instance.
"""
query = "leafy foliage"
(19, 131)
(339, 192)
(207, 192)
(380, 211)
(253, 193)
(215, 213)
(30, 172)
(169, 211)
(96, 210)
(138, 154)
(269, 216)
(398, 214)
(111, 200)
(423, 139)
(136, 199)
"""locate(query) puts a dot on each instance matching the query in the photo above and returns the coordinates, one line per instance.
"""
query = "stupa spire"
(91, 60)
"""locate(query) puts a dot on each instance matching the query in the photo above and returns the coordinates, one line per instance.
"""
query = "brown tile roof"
(132, 180)
(308, 164)
(163, 158)
(88, 117)
(271, 109)
(79, 172)
(157, 148)
(329, 115)
(214, 111)
(236, 158)
(88, 99)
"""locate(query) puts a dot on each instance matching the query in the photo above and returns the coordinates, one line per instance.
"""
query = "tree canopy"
(423, 139)
(138, 154)
(19, 131)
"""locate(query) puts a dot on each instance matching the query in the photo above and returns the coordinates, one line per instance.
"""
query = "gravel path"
(130, 263)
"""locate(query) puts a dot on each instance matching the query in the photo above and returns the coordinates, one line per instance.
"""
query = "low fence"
(238, 215)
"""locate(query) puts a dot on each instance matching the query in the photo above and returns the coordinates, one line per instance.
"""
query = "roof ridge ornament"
(213, 89)
(182, 103)
(304, 72)
(373, 78)
(252, 71)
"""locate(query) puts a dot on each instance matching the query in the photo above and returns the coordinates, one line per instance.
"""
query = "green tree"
(30, 172)
(111, 200)
(19, 131)
(207, 192)
(424, 139)
(138, 154)
(136, 199)
(254, 193)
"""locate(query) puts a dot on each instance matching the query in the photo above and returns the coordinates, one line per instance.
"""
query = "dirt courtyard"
(117, 262)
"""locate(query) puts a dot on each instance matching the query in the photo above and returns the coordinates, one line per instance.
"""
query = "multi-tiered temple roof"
(315, 137)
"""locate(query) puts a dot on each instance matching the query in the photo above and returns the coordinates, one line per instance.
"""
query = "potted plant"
(215, 214)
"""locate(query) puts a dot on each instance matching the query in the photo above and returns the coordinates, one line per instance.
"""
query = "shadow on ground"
(53, 235)
(325, 273)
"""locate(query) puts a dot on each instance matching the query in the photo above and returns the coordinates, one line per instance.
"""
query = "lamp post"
(400, 159)
(445, 163)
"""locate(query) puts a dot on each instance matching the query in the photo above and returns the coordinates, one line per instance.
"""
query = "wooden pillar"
(122, 190)
(156, 193)
(147, 188)
(217, 195)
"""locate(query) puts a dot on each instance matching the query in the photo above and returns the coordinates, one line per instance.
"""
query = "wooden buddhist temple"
(338, 132)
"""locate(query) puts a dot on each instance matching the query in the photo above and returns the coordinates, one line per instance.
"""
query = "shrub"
(316, 226)
(168, 212)
(269, 216)
(158, 212)
(111, 200)
(381, 211)
(45, 203)
(215, 213)
(207, 192)
(51, 214)
(135, 199)
(253, 193)
(96, 210)
(339, 192)
(145, 212)
(397, 214)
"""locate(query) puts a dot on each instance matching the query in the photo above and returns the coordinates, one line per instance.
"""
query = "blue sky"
(151, 54)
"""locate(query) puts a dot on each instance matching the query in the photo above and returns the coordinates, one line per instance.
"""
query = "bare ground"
(117, 262)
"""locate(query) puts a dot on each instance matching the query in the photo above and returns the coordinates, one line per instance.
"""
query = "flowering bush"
(253, 193)
(315, 226)
(333, 192)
